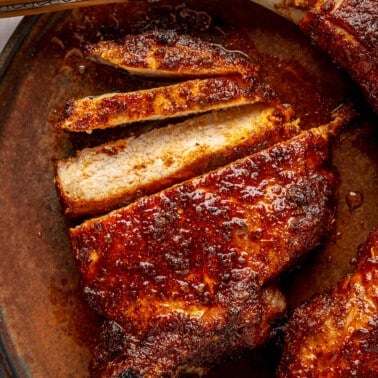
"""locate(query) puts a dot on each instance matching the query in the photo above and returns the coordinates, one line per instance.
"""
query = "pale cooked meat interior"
(107, 176)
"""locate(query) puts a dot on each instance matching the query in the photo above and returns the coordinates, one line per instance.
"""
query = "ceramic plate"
(46, 328)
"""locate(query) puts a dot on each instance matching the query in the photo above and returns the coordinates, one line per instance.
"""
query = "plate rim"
(15, 41)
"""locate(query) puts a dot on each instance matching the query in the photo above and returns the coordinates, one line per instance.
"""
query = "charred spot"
(130, 373)
(300, 196)
(177, 262)
(166, 37)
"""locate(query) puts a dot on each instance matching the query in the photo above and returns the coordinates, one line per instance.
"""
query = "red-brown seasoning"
(192, 96)
(336, 334)
(198, 252)
(348, 31)
(169, 53)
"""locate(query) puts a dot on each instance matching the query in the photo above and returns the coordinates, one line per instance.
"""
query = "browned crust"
(183, 267)
(281, 127)
(189, 97)
(192, 346)
(168, 53)
(335, 334)
(348, 31)
(273, 206)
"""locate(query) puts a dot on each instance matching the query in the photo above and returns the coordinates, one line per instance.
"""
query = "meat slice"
(191, 261)
(111, 175)
(168, 53)
(348, 31)
(335, 334)
(182, 99)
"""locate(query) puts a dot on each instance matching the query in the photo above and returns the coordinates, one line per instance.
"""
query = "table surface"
(7, 26)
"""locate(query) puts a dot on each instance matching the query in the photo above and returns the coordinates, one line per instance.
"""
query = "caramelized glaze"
(182, 99)
(188, 260)
(336, 333)
(348, 31)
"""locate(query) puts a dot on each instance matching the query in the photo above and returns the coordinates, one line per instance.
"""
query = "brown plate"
(46, 329)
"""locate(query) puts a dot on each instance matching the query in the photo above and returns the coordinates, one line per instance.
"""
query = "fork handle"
(12, 8)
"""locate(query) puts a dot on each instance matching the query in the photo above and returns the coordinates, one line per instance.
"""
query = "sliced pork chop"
(167, 53)
(182, 267)
(111, 175)
(176, 100)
